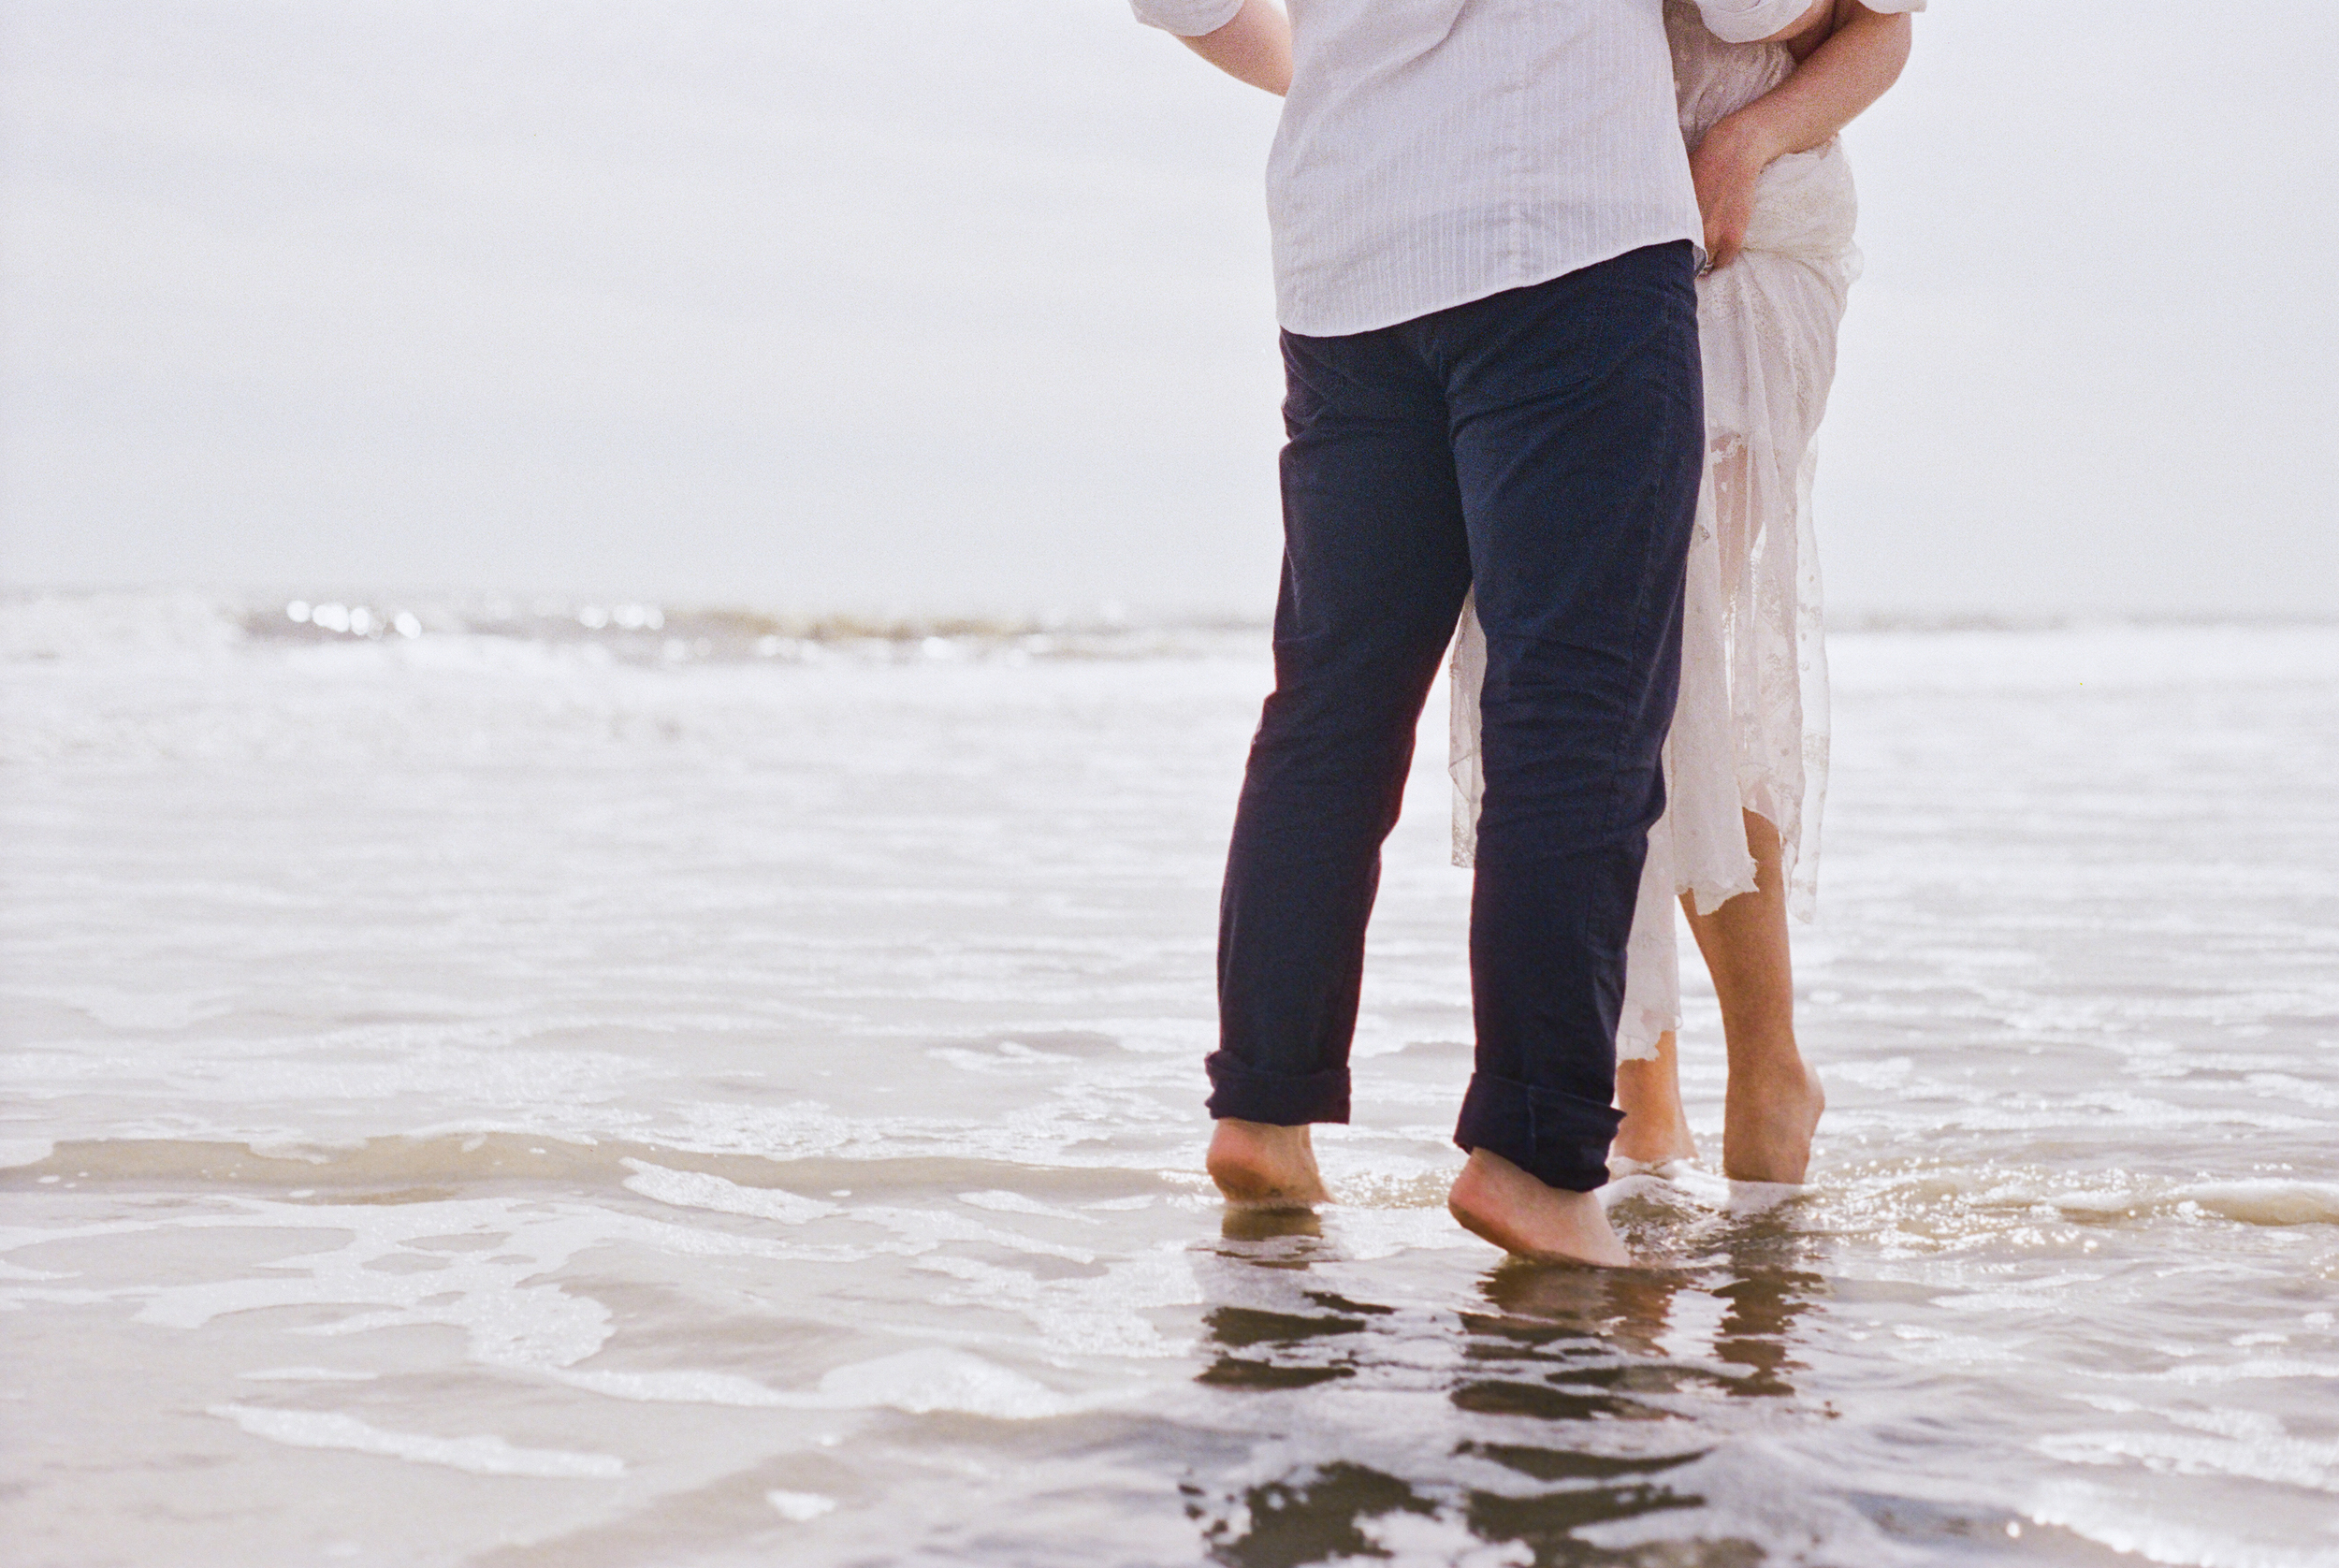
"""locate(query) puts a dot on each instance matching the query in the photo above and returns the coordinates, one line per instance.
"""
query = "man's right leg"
(1579, 439)
(1376, 566)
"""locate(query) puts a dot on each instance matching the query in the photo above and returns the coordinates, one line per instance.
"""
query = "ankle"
(1653, 1139)
(1766, 1057)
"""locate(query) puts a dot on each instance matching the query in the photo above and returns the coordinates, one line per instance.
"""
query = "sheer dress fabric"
(1750, 730)
(1435, 152)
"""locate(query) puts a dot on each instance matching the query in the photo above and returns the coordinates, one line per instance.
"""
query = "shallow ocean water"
(658, 1097)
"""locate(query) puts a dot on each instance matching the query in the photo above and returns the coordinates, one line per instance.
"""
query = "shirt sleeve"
(1742, 22)
(1191, 19)
(1892, 8)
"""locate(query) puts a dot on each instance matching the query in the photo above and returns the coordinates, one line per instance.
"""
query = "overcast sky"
(950, 305)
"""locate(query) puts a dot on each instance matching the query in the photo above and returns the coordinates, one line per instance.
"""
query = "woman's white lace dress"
(1750, 726)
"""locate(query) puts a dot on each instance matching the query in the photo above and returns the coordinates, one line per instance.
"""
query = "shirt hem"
(1300, 324)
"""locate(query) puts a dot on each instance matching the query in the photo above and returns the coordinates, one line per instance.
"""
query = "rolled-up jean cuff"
(1244, 1094)
(1558, 1139)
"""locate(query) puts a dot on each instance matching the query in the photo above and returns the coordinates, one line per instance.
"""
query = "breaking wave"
(43, 627)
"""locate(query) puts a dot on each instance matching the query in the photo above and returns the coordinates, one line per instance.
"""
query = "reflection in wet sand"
(1580, 1398)
(1269, 1225)
(1755, 1333)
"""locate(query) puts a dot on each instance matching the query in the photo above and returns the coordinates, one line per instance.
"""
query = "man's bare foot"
(1265, 1165)
(1497, 1201)
(1649, 1092)
(1768, 1122)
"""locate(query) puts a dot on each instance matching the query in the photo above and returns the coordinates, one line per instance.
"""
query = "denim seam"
(1646, 636)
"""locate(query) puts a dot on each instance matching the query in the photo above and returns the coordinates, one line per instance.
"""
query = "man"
(1485, 238)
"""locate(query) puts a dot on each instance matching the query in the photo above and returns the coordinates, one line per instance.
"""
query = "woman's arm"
(1255, 47)
(1842, 76)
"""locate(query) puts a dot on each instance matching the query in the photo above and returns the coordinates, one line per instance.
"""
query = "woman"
(1746, 765)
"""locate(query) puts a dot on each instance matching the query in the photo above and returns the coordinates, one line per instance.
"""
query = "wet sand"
(500, 1100)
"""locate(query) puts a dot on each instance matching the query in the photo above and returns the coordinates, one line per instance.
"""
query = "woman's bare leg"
(1649, 1093)
(1774, 1100)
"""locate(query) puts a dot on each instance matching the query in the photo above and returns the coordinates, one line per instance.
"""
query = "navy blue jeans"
(1545, 445)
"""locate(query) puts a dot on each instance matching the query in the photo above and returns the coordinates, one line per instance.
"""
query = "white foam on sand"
(1679, 1181)
(1016, 1203)
(682, 1387)
(2267, 1200)
(1748, 1199)
(480, 1455)
(800, 1507)
(935, 1378)
(2114, 1519)
(306, 1375)
(688, 1189)
(2275, 1455)
(918, 1382)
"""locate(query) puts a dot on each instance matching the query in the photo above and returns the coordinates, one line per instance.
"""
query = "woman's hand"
(1726, 166)
(1850, 70)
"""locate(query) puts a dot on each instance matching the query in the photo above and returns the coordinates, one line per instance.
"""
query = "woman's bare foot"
(1656, 1129)
(1774, 1101)
(1265, 1165)
(1497, 1201)
(1767, 1122)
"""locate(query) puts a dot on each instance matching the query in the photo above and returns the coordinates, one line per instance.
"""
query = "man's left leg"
(1376, 565)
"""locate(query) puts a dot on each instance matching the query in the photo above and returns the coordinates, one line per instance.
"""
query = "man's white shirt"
(1436, 152)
